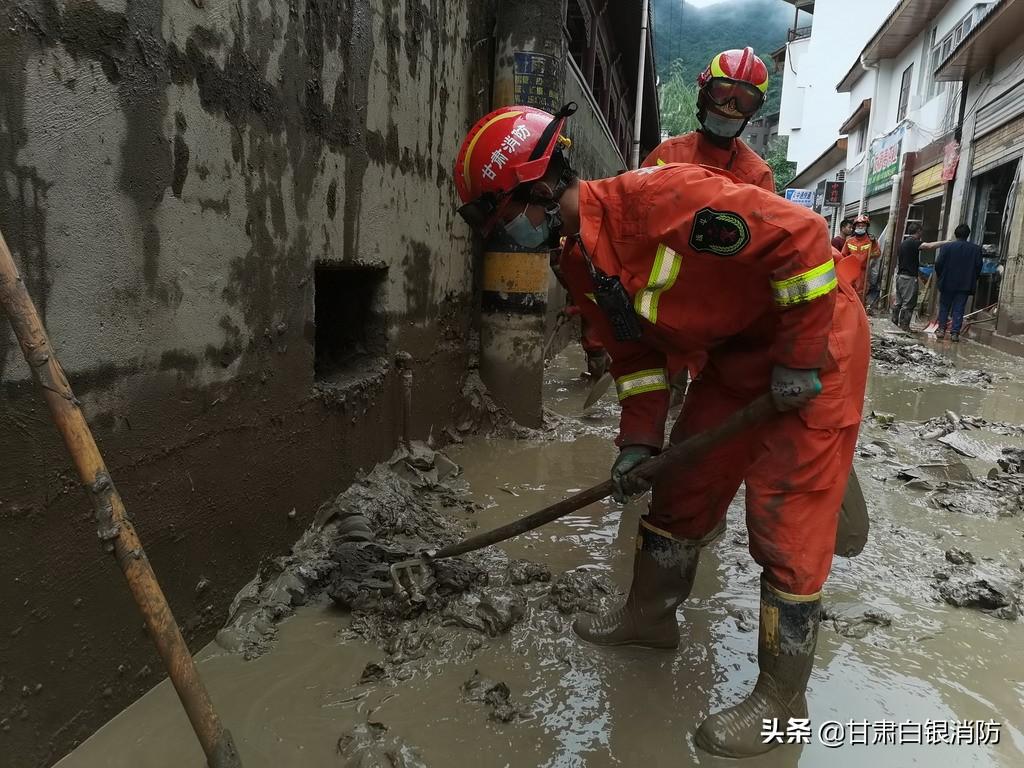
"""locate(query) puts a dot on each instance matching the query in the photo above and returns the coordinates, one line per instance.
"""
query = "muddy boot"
(663, 572)
(939, 335)
(954, 337)
(785, 655)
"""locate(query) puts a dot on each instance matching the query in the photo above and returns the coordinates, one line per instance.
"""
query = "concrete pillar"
(529, 69)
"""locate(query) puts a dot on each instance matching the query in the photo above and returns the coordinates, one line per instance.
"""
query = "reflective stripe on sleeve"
(806, 286)
(663, 276)
(637, 383)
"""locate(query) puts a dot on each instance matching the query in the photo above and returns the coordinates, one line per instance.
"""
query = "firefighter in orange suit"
(680, 260)
(858, 251)
(729, 92)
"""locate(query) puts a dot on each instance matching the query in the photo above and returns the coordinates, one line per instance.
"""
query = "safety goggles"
(741, 96)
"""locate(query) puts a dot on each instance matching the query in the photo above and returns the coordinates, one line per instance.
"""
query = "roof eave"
(834, 155)
(1000, 26)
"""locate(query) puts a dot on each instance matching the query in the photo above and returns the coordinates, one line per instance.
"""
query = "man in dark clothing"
(958, 267)
(845, 230)
(907, 282)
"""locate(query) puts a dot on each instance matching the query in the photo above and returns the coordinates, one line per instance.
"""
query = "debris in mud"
(580, 590)
(896, 354)
(959, 556)
(491, 612)
(369, 745)
(372, 673)
(991, 588)
(746, 621)
(495, 695)
(855, 622)
(989, 595)
(524, 572)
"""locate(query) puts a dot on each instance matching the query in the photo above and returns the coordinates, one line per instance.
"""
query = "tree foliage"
(678, 97)
(692, 36)
(782, 169)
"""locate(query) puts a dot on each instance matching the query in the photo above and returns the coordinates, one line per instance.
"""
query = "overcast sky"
(702, 3)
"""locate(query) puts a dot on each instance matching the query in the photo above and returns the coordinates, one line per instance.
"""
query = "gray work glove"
(793, 387)
(629, 457)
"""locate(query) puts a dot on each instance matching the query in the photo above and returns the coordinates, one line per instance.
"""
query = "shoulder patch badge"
(722, 233)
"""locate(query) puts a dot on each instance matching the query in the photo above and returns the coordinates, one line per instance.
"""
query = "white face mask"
(859, 231)
(523, 232)
(726, 127)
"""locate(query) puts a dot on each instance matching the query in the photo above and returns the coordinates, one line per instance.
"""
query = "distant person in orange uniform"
(729, 92)
(858, 251)
(682, 260)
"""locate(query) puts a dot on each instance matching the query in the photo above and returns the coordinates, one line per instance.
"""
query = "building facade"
(232, 216)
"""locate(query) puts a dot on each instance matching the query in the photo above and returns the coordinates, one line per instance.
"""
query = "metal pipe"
(114, 527)
(638, 117)
(403, 361)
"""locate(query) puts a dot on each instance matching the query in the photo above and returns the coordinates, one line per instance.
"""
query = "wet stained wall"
(171, 176)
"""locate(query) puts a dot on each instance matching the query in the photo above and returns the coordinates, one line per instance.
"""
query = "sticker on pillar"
(536, 81)
(722, 233)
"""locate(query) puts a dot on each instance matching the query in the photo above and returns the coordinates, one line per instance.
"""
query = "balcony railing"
(798, 33)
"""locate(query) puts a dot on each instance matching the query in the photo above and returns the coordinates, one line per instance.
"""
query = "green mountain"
(692, 35)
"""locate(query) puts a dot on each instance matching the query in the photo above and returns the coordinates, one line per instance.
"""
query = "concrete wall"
(170, 172)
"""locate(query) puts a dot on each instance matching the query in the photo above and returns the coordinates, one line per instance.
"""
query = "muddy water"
(624, 707)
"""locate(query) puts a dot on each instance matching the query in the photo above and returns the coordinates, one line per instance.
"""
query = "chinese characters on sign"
(536, 78)
(836, 733)
(884, 160)
(834, 194)
(804, 197)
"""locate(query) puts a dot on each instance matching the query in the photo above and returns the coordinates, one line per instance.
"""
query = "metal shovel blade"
(412, 578)
(597, 391)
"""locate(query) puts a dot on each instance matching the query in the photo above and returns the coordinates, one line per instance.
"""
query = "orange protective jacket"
(740, 160)
(710, 264)
(854, 258)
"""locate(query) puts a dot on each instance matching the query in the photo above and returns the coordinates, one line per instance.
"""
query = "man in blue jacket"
(958, 267)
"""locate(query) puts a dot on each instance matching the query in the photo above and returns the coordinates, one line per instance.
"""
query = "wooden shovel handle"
(752, 414)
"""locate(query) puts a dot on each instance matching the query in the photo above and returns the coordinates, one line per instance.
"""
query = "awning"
(834, 156)
(927, 181)
(992, 35)
(860, 114)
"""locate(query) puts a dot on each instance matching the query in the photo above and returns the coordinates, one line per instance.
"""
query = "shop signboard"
(834, 193)
(804, 197)
(950, 160)
(884, 160)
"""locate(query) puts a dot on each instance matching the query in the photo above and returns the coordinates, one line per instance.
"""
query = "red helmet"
(506, 148)
(736, 78)
(862, 219)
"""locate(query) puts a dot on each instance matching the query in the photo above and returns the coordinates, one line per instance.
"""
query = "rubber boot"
(785, 655)
(663, 573)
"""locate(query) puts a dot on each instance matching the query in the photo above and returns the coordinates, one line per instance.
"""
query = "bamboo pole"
(113, 526)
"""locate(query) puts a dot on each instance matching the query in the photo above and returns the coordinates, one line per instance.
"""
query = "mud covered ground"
(320, 664)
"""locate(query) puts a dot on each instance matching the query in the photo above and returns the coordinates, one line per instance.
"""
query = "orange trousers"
(795, 467)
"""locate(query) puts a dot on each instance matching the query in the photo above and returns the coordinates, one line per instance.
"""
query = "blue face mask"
(726, 127)
(522, 231)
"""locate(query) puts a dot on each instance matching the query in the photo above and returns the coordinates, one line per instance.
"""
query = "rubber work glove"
(629, 457)
(794, 388)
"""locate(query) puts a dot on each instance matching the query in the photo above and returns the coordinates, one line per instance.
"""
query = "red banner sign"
(950, 160)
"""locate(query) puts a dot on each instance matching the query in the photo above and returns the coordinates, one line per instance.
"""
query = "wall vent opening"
(351, 332)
